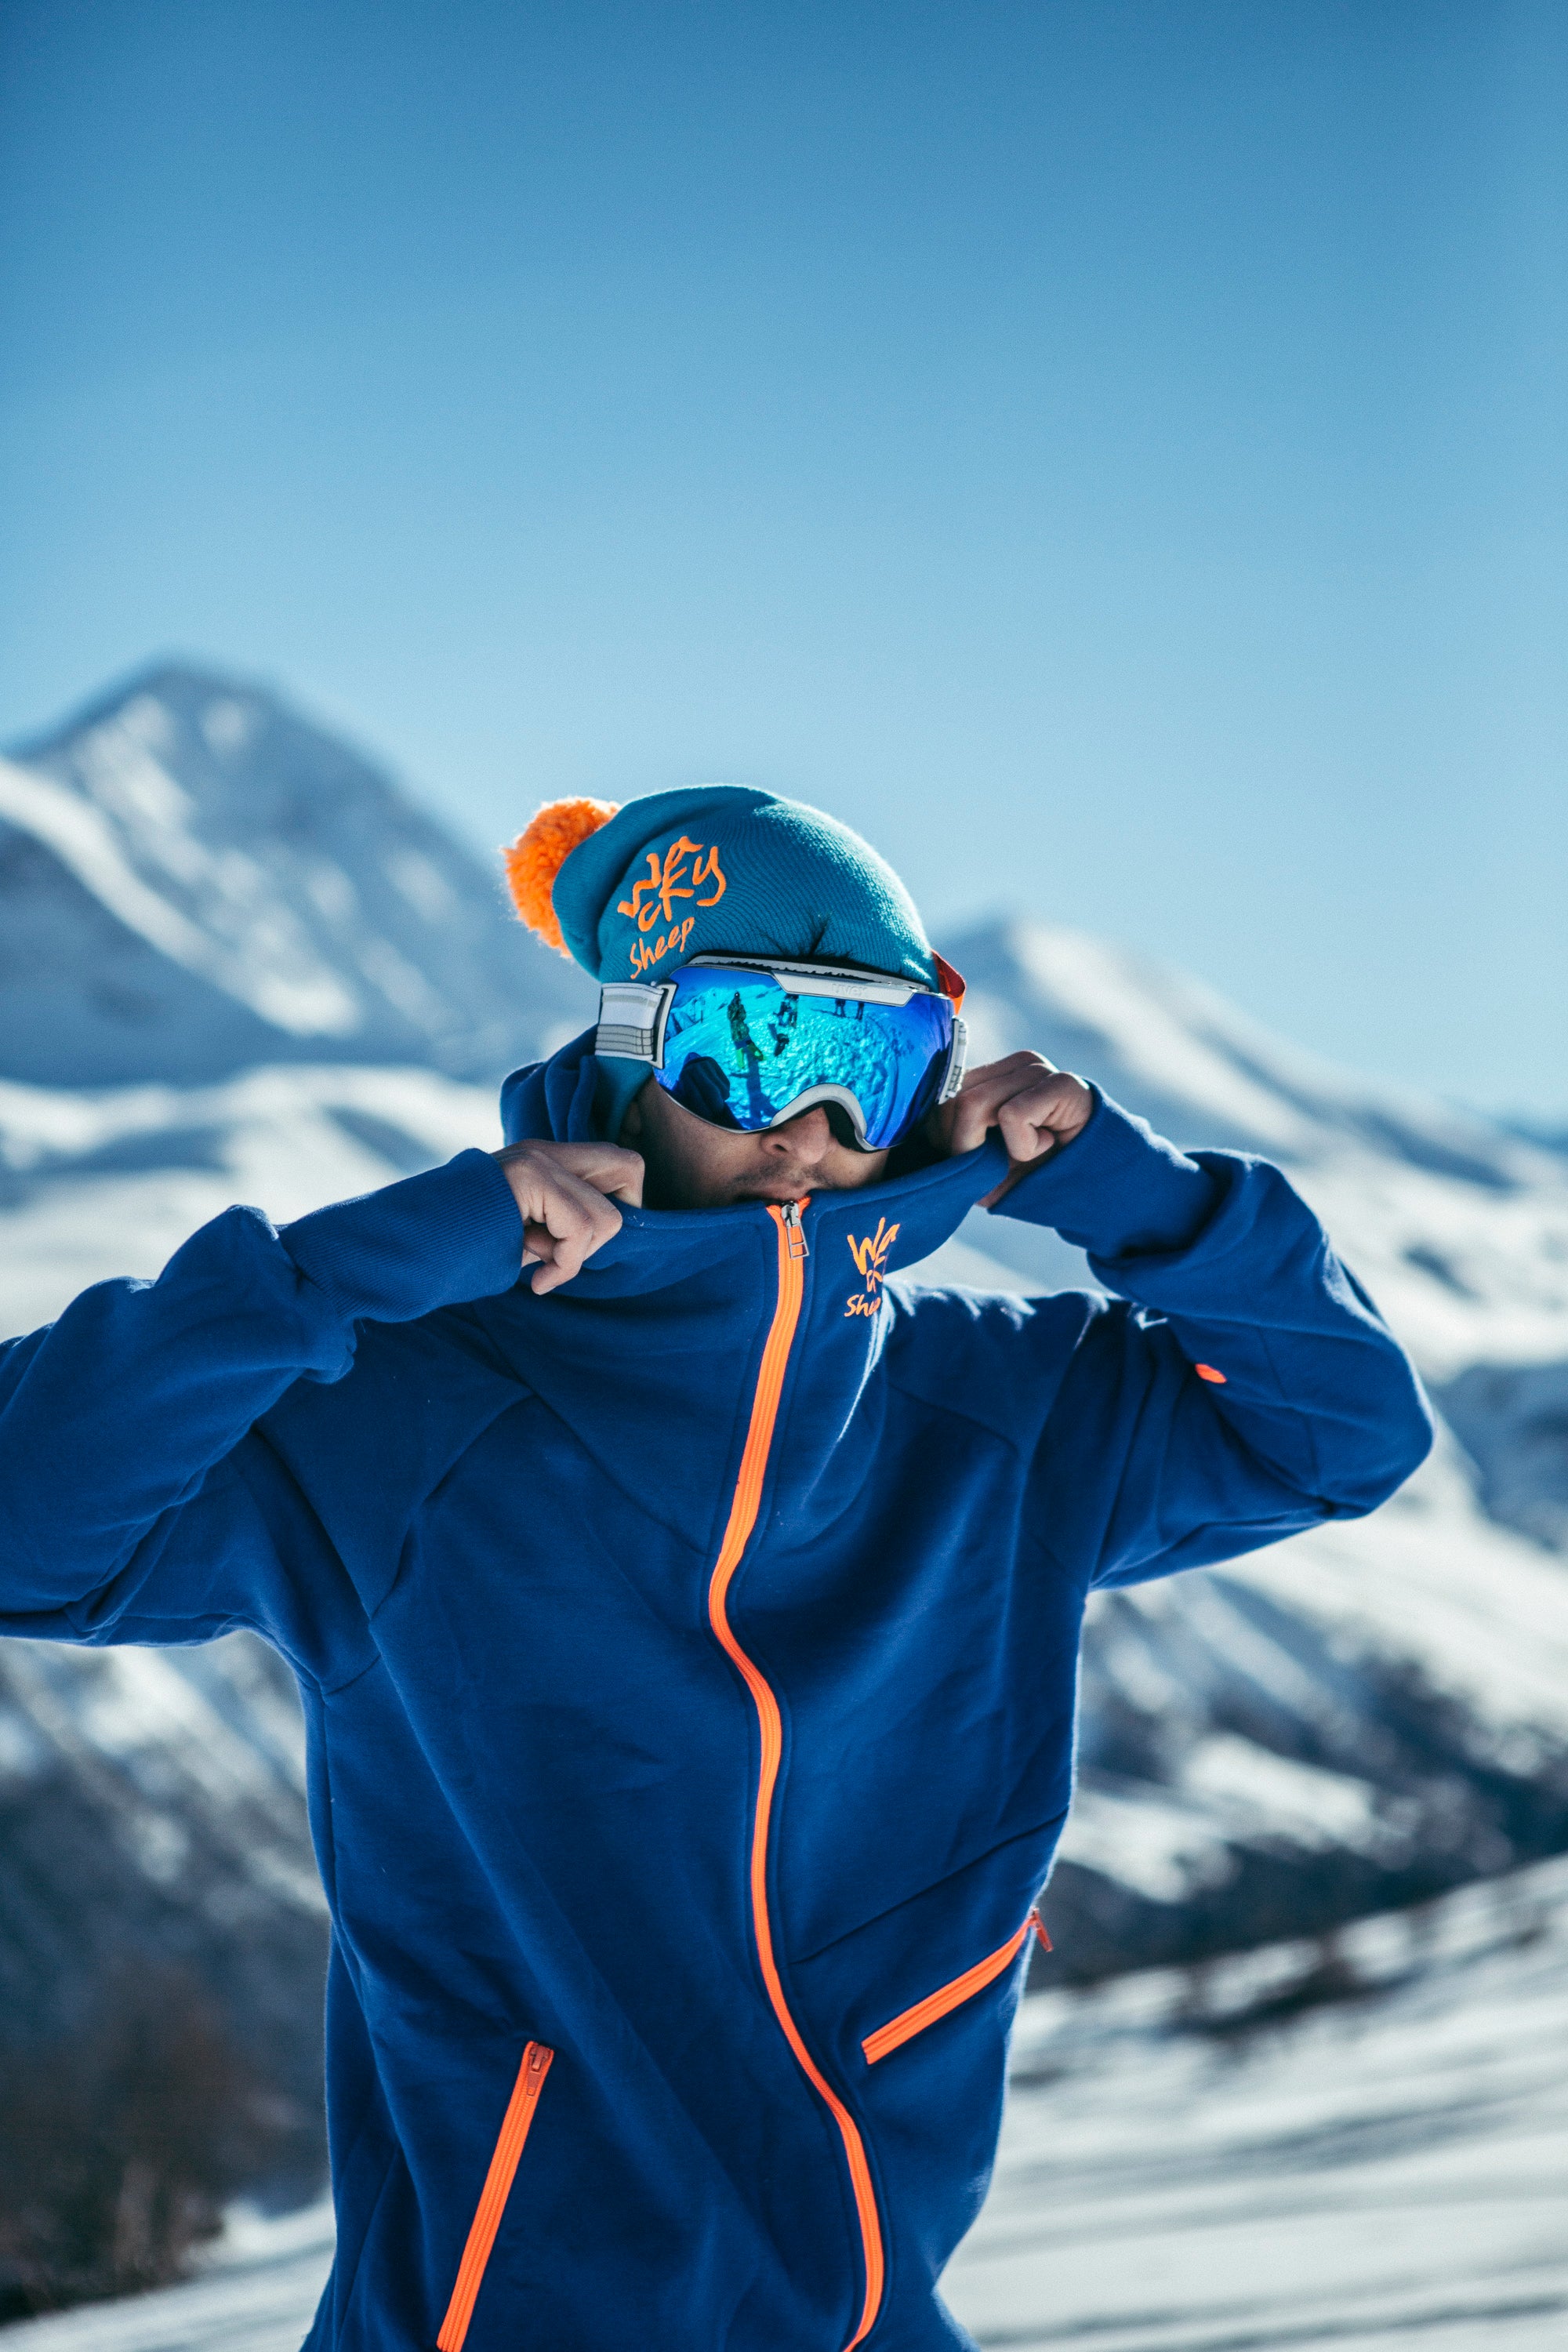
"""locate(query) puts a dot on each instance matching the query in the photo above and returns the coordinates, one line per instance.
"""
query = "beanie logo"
(870, 1257)
(668, 878)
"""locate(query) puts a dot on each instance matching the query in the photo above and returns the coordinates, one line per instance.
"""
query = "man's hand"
(560, 1190)
(1037, 1107)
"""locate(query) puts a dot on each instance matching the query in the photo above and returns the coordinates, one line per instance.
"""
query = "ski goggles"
(747, 1044)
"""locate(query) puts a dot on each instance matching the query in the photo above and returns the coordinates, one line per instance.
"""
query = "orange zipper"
(911, 2022)
(516, 2125)
(743, 1509)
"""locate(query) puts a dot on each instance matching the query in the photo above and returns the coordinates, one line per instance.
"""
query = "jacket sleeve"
(1240, 1385)
(126, 1509)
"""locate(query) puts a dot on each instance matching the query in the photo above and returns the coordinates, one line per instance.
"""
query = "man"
(687, 1631)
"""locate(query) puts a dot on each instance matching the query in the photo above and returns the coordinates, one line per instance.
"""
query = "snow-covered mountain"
(195, 879)
(1368, 1715)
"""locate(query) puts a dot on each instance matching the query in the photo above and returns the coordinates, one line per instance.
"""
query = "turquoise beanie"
(727, 868)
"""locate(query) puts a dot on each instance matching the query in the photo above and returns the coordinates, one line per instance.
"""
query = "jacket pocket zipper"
(516, 2125)
(949, 1997)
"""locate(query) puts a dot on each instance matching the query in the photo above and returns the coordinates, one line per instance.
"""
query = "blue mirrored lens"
(739, 1051)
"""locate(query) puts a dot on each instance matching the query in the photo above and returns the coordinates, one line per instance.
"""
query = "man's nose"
(805, 1139)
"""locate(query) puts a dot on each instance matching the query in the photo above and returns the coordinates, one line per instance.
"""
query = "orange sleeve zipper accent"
(911, 2022)
(743, 1518)
(516, 2125)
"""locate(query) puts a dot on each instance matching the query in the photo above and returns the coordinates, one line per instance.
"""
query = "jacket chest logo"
(871, 1259)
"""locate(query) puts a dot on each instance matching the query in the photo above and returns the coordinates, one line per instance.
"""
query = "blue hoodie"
(688, 1662)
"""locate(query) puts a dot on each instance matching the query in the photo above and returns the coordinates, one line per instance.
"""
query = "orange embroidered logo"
(654, 895)
(870, 1257)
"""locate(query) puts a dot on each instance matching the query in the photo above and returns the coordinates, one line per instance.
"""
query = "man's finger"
(1024, 1124)
(971, 1120)
(607, 1167)
(538, 1173)
(579, 1220)
(566, 1214)
(616, 1172)
(1035, 1107)
(563, 1262)
(533, 1167)
(559, 1256)
(967, 1121)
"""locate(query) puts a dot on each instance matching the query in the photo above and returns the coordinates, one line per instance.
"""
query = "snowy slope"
(106, 1182)
(1363, 2143)
(193, 878)
(1368, 1714)
(152, 1820)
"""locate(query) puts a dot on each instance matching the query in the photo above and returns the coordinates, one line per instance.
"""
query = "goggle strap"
(632, 1016)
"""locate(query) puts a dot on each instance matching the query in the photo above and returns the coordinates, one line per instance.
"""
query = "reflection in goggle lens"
(740, 1051)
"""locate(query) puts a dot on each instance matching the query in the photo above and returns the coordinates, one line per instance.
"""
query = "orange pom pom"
(539, 853)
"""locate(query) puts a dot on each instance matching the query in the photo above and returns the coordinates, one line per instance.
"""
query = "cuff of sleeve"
(432, 1241)
(1118, 1190)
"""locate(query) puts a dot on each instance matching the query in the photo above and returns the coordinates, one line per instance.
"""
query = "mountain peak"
(183, 686)
(195, 878)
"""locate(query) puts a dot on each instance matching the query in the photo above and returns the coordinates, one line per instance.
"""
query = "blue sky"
(1112, 454)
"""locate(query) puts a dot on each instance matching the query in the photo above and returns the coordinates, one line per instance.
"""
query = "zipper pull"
(794, 1230)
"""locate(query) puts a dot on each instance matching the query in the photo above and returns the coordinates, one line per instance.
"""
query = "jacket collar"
(650, 1355)
(657, 1249)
